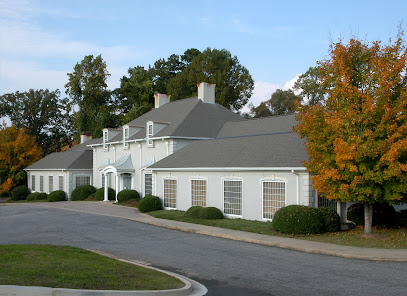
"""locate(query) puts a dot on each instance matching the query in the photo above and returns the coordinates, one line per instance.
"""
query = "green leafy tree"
(357, 139)
(309, 83)
(262, 110)
(281, 102)
(87, 90)
(234, 84)
(42, 114)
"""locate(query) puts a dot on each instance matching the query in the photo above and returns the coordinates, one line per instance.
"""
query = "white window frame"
(32, 182)
(206, 192)
(262, 195)
(126, 133)
(61, 187)
(105, 139)
(50, 183)
(164, 193)
(241, 196)
(149, 134)
(41, 183)
(82, 176)
(152, 183)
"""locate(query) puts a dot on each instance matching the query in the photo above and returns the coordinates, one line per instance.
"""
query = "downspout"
(140, 169)
(298, 186)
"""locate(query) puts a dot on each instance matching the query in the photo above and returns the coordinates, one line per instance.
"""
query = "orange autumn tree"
(357, 138)
(17, 151)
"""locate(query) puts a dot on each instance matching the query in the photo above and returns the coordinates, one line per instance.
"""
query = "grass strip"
(386, 239)
(75, 268)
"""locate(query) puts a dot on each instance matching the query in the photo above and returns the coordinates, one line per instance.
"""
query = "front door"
(126, 181)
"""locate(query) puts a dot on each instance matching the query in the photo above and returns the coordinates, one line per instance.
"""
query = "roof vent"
(161, 99)
(86, 136)
(206, 92)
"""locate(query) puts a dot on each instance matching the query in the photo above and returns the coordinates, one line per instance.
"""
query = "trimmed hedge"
(150, 203)
(82, 192)
(297, 219)
(100, 194)
(209, 213)
(332, 221)
(127, 194)
(37, 196)
(20, 192)
(57, 195)
(383, 214)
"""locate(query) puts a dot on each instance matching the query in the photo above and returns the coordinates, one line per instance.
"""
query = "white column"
(106, 192)
(117, 185)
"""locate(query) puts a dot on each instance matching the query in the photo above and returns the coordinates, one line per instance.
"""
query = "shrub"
(211, 213)
(4, 194)
(401, 218)
(297, 219)
(100, 194)
(82, 192)
(20, 192)
(57, 195)
(37, 196)
(150, 203)
(383, 214)
(127, 194)
(194, 212)
(332, 221)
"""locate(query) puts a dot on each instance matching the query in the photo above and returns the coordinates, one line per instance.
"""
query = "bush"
(20, 192)
(4, 194)
(150, 203)
(297, 219)
(127, 194)
(211, 213)
(401, 218)
(100, 194)
(37, 196)
(57, 195)
(383, 214)
(194, 212)
(332, 221)
(82, 192)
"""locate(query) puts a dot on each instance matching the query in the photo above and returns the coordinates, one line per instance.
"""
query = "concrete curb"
(392, 255)
(191, 287)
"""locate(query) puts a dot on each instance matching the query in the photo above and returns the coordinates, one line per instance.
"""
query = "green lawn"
(386, 238)
(74, 268)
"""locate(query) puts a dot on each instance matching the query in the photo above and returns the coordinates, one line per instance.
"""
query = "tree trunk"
(368, 218)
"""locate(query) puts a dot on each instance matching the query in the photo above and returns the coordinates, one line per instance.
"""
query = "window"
(50, 183)
(232, 197)
(126, 181)
(148, 184)
(103, 180)
(149, 134)
(170, 193)
(198, 192)
(125, 136)
(33, 183)
(273, 198)
(82, 180)
(61, 182)
(105, 139)
(41, 183)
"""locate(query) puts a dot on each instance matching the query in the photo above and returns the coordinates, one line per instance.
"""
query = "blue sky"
(41, 41)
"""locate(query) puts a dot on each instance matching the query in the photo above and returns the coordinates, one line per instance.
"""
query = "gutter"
(229, 169)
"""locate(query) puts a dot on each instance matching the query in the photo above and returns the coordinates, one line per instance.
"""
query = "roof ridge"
(186, 116)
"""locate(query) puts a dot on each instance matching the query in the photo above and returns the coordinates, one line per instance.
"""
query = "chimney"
(206, 92)
(161, 99)
(85, 136)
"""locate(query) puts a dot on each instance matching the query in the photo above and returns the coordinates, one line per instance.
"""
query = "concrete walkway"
(109, 209)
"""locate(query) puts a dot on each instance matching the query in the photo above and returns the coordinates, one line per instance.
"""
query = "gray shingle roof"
(249, 145)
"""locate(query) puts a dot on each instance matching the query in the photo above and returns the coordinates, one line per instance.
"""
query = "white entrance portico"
(123, 172)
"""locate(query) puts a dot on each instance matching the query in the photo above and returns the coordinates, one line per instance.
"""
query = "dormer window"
(125, 136)
(150, 142)
(105, 138)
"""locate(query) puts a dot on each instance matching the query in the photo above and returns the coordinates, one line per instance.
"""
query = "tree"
(312, 90)
(281, 102)
(87, 89)
(357, 139)
(234, 84)
(42, 113)
(17, 151)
